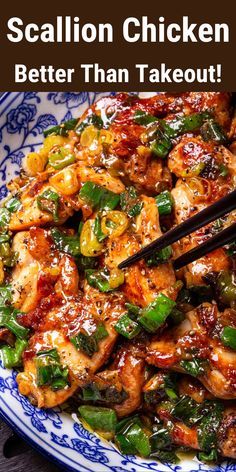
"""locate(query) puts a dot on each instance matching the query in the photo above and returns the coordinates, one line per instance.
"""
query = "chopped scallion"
(98, 197)
(127, 327)
(228, 337)
(49, 201)
(164, 203)
(99, 418)
(155, 314)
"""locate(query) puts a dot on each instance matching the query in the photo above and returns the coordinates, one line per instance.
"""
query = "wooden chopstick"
(220, 208)
(226, 236)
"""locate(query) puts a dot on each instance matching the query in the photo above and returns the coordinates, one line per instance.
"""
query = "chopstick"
(220, 208)
(226, 236)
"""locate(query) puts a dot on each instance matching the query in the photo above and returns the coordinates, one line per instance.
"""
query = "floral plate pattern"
(23, 118)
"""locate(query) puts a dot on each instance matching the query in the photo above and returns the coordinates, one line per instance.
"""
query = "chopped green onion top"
(226, 287)
(139, 439)
(125, 445)
(161, 145)
(143, 118)
(223, 170)
(209, 426)
(12, 356)
(98, 230)
(195, 367)
(123, 425)
(133, 310)
(100, 332)
(8, 319)
(165, 203)
(93, 393)
(5, 217)
(13, 205)
(91, 119)
(228, 337)
(180, 125)
(89, 343)
(4, 237)
(155, 314)
(212, 456)
(159, 257)
(66, 243)
(160, 386)
(98, 197)
(100, 279)
(161, 439)
(170, 386)
(99, 418)
(61, 130)
(52, 353)
(49, 201)
(5, 295)
(86, 343)
(50, 371)
(130, 202)
(166, 456)
(212, 131)
(127, 327)
(131, 437)
(187, 123)
(188, 411)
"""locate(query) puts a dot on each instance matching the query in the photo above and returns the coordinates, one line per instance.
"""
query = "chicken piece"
(196, 339)
(123, 380)
(192, 157)
(194, 389)
(136, 162)
(227, 434)
(57, 320)
(142, 283)
(77, 363)
(24, 275)
(218, 103)
(100, 177)
(102, 308)
(40, 270)
(147, 222)
(183, 435)
(6, 336)
(193, 194)
(124, 154)
(129, 363)
(122, 106)
(29, 213)
(217, 260)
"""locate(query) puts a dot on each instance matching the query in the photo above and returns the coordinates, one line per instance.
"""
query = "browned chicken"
(195, 346)
(187, 435)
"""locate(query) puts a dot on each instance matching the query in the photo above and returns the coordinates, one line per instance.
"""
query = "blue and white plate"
(23, 117)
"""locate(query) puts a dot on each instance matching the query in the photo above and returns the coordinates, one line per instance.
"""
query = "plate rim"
(51, 453)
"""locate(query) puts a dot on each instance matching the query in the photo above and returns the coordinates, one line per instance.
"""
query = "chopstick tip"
(122, 265)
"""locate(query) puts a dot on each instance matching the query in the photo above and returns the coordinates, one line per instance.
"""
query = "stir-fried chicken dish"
(146, 356)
